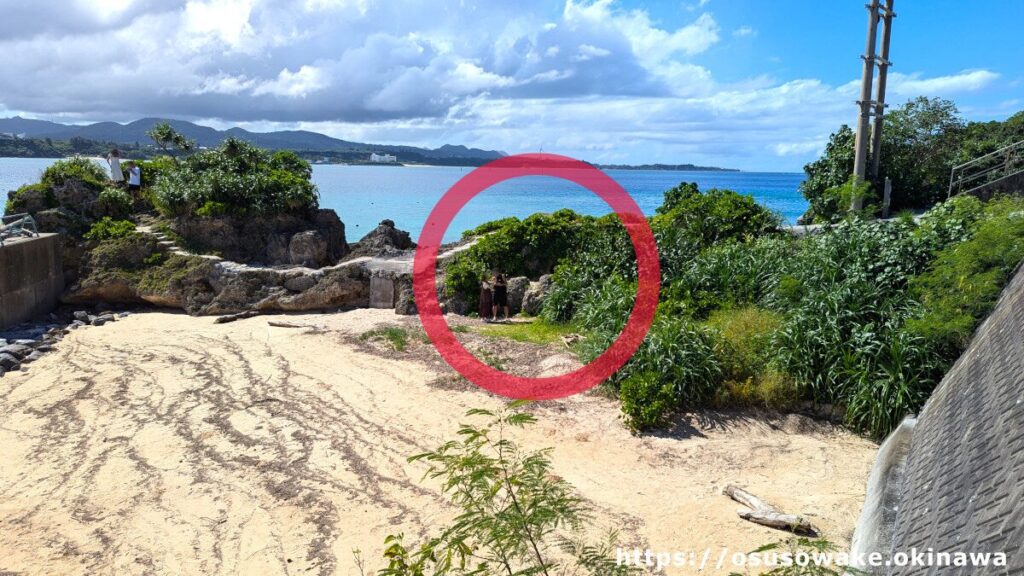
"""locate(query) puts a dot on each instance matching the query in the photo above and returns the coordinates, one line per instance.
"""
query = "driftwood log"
(233, 317)
(767, 515)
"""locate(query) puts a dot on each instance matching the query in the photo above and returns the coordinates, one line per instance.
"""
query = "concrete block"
(382, 292)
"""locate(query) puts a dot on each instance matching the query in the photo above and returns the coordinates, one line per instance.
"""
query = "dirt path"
(165, 444)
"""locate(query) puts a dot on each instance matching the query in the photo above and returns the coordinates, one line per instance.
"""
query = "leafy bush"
(82, 169)
(488, 227)
(115, 203)
(675, 368)
(514, 512)
(240, 178)
(963, 283)
(714, 216)
(530, 247)
(108, 229)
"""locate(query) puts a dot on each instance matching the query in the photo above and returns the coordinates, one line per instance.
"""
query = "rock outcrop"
(533, 300)
(316, 239)
(384, 240)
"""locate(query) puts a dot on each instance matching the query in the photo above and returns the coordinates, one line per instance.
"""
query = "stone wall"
(31, 278)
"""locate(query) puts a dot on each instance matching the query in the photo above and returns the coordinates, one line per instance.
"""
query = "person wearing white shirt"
(134, 177)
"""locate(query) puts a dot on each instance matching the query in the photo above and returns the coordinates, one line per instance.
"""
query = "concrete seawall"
(31, 278)
(959, 483)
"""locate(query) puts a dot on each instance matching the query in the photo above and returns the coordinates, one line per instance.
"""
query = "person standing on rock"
(114, 160)
(499, 298)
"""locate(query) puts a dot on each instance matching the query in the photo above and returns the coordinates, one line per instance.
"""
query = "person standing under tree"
(114, 160)
(500, 290)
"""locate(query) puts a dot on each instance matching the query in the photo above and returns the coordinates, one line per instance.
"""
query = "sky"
(749, 84)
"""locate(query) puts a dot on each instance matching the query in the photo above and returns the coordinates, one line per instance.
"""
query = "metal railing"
(983, 170)
(17, 226)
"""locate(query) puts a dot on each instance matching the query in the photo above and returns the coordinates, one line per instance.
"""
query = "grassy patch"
(396, 336)
(536, 332)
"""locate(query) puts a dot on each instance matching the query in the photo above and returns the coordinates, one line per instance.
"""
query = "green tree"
(833, 169)
(170, 140)
(921, 141)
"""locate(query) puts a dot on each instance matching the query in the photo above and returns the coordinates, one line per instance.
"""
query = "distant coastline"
(670, 167)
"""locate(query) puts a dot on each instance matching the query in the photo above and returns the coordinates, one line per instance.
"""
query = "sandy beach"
(166, 444)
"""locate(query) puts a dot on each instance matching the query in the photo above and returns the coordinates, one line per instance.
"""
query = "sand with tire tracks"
(165, 444)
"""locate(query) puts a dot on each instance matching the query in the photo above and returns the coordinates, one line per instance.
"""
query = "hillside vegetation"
(863, 318)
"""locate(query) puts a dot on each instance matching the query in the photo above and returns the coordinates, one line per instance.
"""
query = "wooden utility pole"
(866, 137)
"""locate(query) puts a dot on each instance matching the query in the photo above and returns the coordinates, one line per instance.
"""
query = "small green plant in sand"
(538, 331)
(396, 336)
(516, 517)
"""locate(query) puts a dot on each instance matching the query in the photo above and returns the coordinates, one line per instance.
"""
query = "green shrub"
(212, 209)
(530, 247)
(715, 215)
(108, 229)
(81, 169)
(964, 281)
(744, 340)
(115, 203)
(240, 179)
(488, 227)
(679, 354)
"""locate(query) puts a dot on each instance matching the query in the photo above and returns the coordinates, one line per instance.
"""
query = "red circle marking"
(425, 284)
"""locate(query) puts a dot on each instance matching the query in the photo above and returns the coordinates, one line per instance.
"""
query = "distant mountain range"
(297, 140)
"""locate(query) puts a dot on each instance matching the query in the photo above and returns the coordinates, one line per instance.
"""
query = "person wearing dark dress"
(485, 300)
(499, 297)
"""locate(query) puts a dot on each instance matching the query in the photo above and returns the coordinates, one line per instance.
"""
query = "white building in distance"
(383, 158)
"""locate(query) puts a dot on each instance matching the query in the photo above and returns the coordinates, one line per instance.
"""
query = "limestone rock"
(384, 240)
(533, 300)
(516, 290)
(308, 248)
(405, 302)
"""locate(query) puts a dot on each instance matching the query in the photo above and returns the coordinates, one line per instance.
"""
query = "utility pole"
(883, 69)
(867, 138)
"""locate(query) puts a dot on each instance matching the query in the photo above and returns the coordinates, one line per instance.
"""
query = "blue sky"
(756, 85)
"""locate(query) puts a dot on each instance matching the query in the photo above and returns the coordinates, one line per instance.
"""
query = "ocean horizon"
(364, 195)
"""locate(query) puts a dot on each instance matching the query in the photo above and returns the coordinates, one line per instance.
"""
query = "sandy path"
(164, 444)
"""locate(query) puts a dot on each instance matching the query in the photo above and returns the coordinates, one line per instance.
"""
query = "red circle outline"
(425, 283)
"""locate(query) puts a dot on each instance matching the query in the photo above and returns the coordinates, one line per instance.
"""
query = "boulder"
(308, 248)
(16, 350)
(8, 362)
(516, 291)
(384, 240)
(270, 240)
(533, 300)
(81, 315)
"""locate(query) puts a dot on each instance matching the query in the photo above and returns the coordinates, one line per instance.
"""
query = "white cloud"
(298, 84)
(914, 84)
(744, 31)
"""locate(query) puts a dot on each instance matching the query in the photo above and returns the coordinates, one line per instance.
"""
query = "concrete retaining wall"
(961, 487)
(31, 278)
